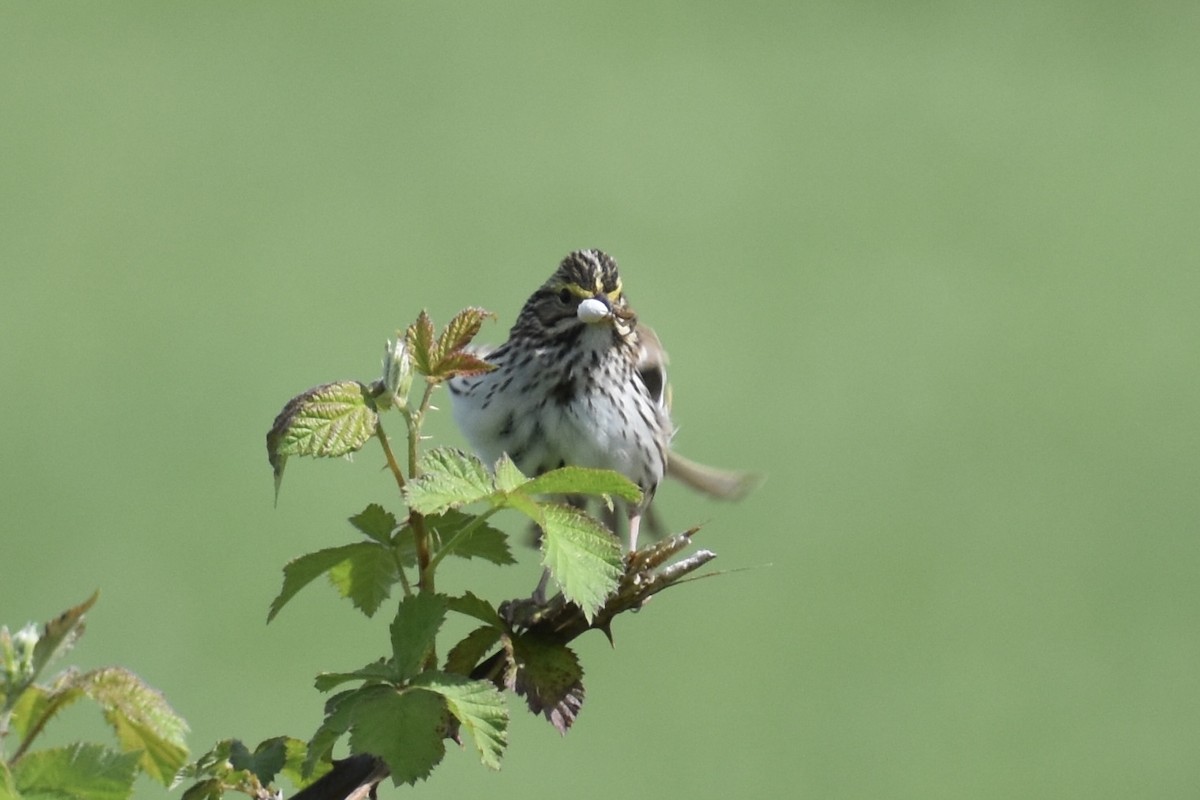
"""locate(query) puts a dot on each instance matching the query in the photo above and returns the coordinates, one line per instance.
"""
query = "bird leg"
(635, 521)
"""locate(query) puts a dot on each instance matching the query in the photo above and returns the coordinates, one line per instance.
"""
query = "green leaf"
(265, 762)
(143, 721)
(83, 771)
(584, 480)
(58, 636)
(366, 576)
(334, 419)
(523, 503)
(301, 571)
(478, 707)
(405, 728)
(381, 670)
(481, 541)
(339, 716)
(404, 545)
(414, 631)
(361, 586)
(462, 364)
(582, 555)
(210, 789)
(212, 763)
(375, 522)
(448, 478)
(476, 607)
(27, 708)
(508, 477)
(461, 330)
(465, 655)
(293, 764)
(8, 785)
(36, 706)
(419, 340)
(548, 675)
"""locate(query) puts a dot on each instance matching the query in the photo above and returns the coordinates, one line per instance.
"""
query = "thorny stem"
(391, 457)
(415, 418)
(425, 580)
(421, 537)
(398, 473)
(425, 563)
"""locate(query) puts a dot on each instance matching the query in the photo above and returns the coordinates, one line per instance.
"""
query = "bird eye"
(564, 296)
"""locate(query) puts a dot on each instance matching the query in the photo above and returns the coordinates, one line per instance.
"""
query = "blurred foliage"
(149, 733)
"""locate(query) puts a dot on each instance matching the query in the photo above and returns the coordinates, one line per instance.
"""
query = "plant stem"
(394, 465)
(403, 575)
(415, 418)
(425, 580)
(420, 535)
(391, 457)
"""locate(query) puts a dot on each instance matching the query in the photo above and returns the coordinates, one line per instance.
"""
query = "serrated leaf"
(381, 670)
(331, 420)
(476, 607)
(481, 541)
(210, 789)
(375, 522)
(405, 546)
(465, 364)
(58, 636)
(45, 705)
(414, 631)
(584, 480)
(293, 765)
(28, 708)
(265, 762)
(582, 555)
(360, 586)
(339, 716)
(366, 576)
(465, 655)
(142, 720)
(405, 729)
(301, 571)
(508, 476)
(462, 329)
(76, 771)
(212, 763)
(448, 478)
(522, 502)
(487, 543)
(480, 710)
(548, 675)
(421, 346)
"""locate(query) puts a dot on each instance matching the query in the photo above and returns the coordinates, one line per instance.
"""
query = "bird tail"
(722, 484)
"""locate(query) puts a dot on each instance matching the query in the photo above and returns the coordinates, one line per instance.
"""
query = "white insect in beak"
(592, 310)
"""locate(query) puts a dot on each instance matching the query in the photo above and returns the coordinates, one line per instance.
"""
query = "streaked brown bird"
(580, 382)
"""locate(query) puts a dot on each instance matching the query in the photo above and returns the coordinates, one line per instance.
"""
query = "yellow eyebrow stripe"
(583, 294)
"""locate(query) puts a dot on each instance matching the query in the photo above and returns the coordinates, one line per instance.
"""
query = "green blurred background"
(931, 267)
